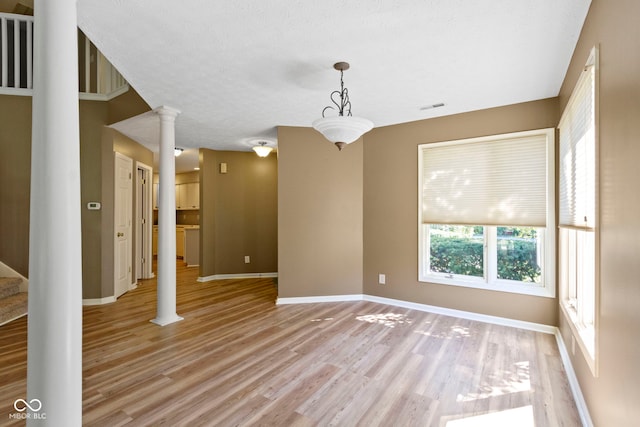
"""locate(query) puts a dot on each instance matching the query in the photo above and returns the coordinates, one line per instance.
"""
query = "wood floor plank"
(239, 360)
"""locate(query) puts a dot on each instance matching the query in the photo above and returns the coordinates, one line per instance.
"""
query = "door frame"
(143, 214)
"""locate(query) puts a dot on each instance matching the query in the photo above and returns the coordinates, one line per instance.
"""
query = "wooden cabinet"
(192, 246)
(154, 242)
(180, 242)
(155, 196)
(188, 196)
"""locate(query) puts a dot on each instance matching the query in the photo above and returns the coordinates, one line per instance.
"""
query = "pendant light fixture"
(262, 150)
(177, 151)
(342, 129)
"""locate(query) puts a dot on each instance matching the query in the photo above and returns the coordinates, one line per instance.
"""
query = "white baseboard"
(424, 307)
(98, 301)
(521, 324)
(311, 300)
(583, 410)
(237, 276)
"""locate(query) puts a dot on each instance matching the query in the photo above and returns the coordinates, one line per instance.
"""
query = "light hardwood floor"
(238, 359)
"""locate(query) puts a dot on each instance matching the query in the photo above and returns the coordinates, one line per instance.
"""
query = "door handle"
(120, 234)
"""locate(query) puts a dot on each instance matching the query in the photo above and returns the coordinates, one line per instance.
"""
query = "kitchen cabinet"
(188, 196)
(180, 242)
(155, 196)
(192, 246)
(154, 241)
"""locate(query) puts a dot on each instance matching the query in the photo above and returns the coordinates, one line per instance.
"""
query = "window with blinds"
(501, 181)
(577, 155)
(485, 205)
(578, 219)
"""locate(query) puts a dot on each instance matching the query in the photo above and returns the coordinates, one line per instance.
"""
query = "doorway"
(143, 221)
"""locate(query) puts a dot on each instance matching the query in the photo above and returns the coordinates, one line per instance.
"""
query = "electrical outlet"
(382, 279)
(247, 259)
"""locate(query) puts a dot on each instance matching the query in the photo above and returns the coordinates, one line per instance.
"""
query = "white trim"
(521, 324)
(98, 301)
(318, 299)
(585, 337)
(236, 276)
(133, 286)
(537, 327)
(85, 96)
(167, 321)
(578, 397)
(16, 91)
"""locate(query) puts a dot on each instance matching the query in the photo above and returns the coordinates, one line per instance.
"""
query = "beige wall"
(127, 105)
(15, 171)
(238, 213)
(613, 398)
(15, 178)
(113, 141)
(319, 215)
(391, 210)
(93, 116)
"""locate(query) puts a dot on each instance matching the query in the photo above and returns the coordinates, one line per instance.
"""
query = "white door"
(122, 219)
(143, 222)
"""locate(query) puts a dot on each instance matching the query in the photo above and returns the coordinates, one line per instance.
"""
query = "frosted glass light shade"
(262, 150)
(342, 130)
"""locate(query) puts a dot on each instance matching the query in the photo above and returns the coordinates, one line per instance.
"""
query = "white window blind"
(577, 155)
(500, 180)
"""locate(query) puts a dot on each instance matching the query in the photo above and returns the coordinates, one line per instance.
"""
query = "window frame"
(584, 332)
(490, 281)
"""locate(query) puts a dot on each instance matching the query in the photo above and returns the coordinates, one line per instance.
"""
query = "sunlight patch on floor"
(454, 332)
(322, 320)
(501, 383)
(386, 319)
(520, 417)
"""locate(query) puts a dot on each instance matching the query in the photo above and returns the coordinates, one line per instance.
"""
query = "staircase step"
(9, 286)
(13, 307)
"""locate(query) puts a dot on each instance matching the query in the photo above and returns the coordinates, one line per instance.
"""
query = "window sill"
(500, 286)
(584, 335)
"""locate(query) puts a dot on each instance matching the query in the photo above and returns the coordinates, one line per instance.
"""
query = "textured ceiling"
(238, 69)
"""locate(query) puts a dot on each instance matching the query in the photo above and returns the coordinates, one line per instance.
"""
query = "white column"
(166, 312)
(54, 352)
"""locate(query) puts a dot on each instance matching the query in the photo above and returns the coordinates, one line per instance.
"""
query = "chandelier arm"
(346, 103)
(328, 107)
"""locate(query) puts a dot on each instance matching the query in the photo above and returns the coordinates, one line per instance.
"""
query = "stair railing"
(16, 51)
(98, 78)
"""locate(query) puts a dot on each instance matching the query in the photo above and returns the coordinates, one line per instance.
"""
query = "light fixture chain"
(344, 103)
